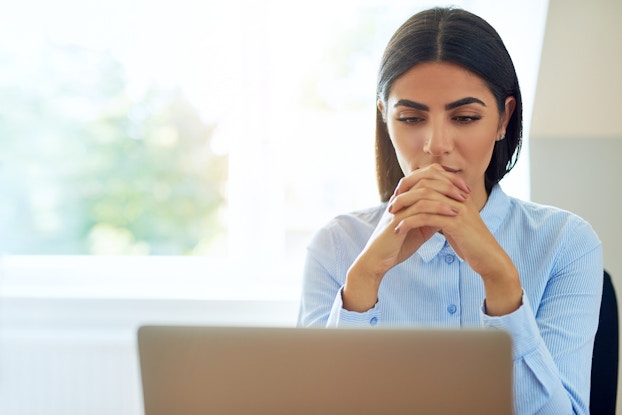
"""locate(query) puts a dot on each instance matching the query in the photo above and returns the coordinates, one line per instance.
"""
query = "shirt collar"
(432, 247)
(496, 209)
(493, 213)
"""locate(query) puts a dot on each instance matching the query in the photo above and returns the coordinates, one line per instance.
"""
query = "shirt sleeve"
(340, 317)
(552, 346)
(324, 275)
(321, 302)
(321, 286)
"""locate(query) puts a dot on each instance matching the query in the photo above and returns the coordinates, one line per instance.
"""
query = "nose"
(438, 142)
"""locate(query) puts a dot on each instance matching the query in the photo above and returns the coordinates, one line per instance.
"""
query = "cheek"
(405, 147)
(405, 140)
(478, 152)
(395, 138)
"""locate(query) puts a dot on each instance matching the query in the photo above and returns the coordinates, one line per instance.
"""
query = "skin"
(443, 122)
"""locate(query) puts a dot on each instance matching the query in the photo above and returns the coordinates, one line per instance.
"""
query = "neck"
(480, 197)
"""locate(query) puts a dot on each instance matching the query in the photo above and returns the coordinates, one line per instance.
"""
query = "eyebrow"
(416, 105)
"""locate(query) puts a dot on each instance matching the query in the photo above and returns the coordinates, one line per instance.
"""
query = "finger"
(455, 178)
(432, 171)
(418, 221)
(426, 189)
(428, 207)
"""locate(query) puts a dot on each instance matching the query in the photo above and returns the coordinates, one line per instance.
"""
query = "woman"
(447, 247)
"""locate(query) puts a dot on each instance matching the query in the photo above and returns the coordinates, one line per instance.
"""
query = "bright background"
(168, 161)
(209, 128)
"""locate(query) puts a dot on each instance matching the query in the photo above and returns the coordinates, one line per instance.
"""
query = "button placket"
(450, 258)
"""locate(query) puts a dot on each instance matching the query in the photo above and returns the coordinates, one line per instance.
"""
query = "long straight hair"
(459, 37)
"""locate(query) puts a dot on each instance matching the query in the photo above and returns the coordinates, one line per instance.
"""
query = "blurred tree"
(87, 168)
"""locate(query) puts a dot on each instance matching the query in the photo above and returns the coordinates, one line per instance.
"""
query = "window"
(228, 131)
(157, 151)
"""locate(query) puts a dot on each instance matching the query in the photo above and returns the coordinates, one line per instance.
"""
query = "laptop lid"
(251, 370)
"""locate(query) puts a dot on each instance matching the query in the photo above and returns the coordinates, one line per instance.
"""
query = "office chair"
(604, 389)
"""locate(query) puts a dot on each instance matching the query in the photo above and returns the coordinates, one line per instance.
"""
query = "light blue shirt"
(559, 259)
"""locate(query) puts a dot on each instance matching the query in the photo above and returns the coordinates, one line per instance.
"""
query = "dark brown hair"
(462, 38)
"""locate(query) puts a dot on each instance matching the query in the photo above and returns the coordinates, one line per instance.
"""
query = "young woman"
(447, 247)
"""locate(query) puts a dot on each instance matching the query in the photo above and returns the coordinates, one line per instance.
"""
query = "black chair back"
(604, 389)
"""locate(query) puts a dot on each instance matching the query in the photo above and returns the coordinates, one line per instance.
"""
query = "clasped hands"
(429, 200)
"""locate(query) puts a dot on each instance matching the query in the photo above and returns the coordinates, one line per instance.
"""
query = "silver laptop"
(251, 370)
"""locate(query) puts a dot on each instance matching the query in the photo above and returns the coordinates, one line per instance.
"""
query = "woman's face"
(442, 113)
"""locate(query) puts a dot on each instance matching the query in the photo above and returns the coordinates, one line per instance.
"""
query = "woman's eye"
(466, 119)
(410, 120)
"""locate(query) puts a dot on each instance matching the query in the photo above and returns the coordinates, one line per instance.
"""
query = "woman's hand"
(432, 200)
(405, 226)
(469, 236)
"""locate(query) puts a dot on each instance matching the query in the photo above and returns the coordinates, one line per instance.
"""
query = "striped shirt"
(558, 257)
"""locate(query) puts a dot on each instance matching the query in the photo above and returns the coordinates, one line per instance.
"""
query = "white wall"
(68, 324)
(576, 131)
(579, 82)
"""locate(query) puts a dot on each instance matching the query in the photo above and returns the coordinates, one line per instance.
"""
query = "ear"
(380, 107)
(510, 106)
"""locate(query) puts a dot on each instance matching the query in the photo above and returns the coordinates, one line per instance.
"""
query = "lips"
(449, 169)
(446, 168)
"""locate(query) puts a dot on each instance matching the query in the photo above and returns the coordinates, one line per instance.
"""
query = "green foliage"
(88, 168)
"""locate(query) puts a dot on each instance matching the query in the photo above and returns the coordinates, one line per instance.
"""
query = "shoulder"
(551, 224)
(363, 218)
(545, 215)
(353, 228)
(550, 245)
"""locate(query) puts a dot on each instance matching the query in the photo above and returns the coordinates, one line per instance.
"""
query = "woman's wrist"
(360, 292)
(504, 292)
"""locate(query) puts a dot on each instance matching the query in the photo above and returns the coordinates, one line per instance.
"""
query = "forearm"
(322, 299)
(360, 292)
(538, 388)
(503, 287)
(539, 385)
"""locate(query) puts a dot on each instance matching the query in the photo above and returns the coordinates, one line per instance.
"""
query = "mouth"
(450, 170)
(446, 168)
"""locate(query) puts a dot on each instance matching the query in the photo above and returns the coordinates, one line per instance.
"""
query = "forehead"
(439, 81)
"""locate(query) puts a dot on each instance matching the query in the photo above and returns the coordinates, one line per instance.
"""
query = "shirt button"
(452, 309)
(449, 258)
(373, 321)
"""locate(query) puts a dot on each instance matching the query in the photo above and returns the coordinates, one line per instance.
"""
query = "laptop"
(257, 370)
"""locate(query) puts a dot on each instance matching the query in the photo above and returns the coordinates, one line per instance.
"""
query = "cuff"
(520, 324)
(340, 317)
